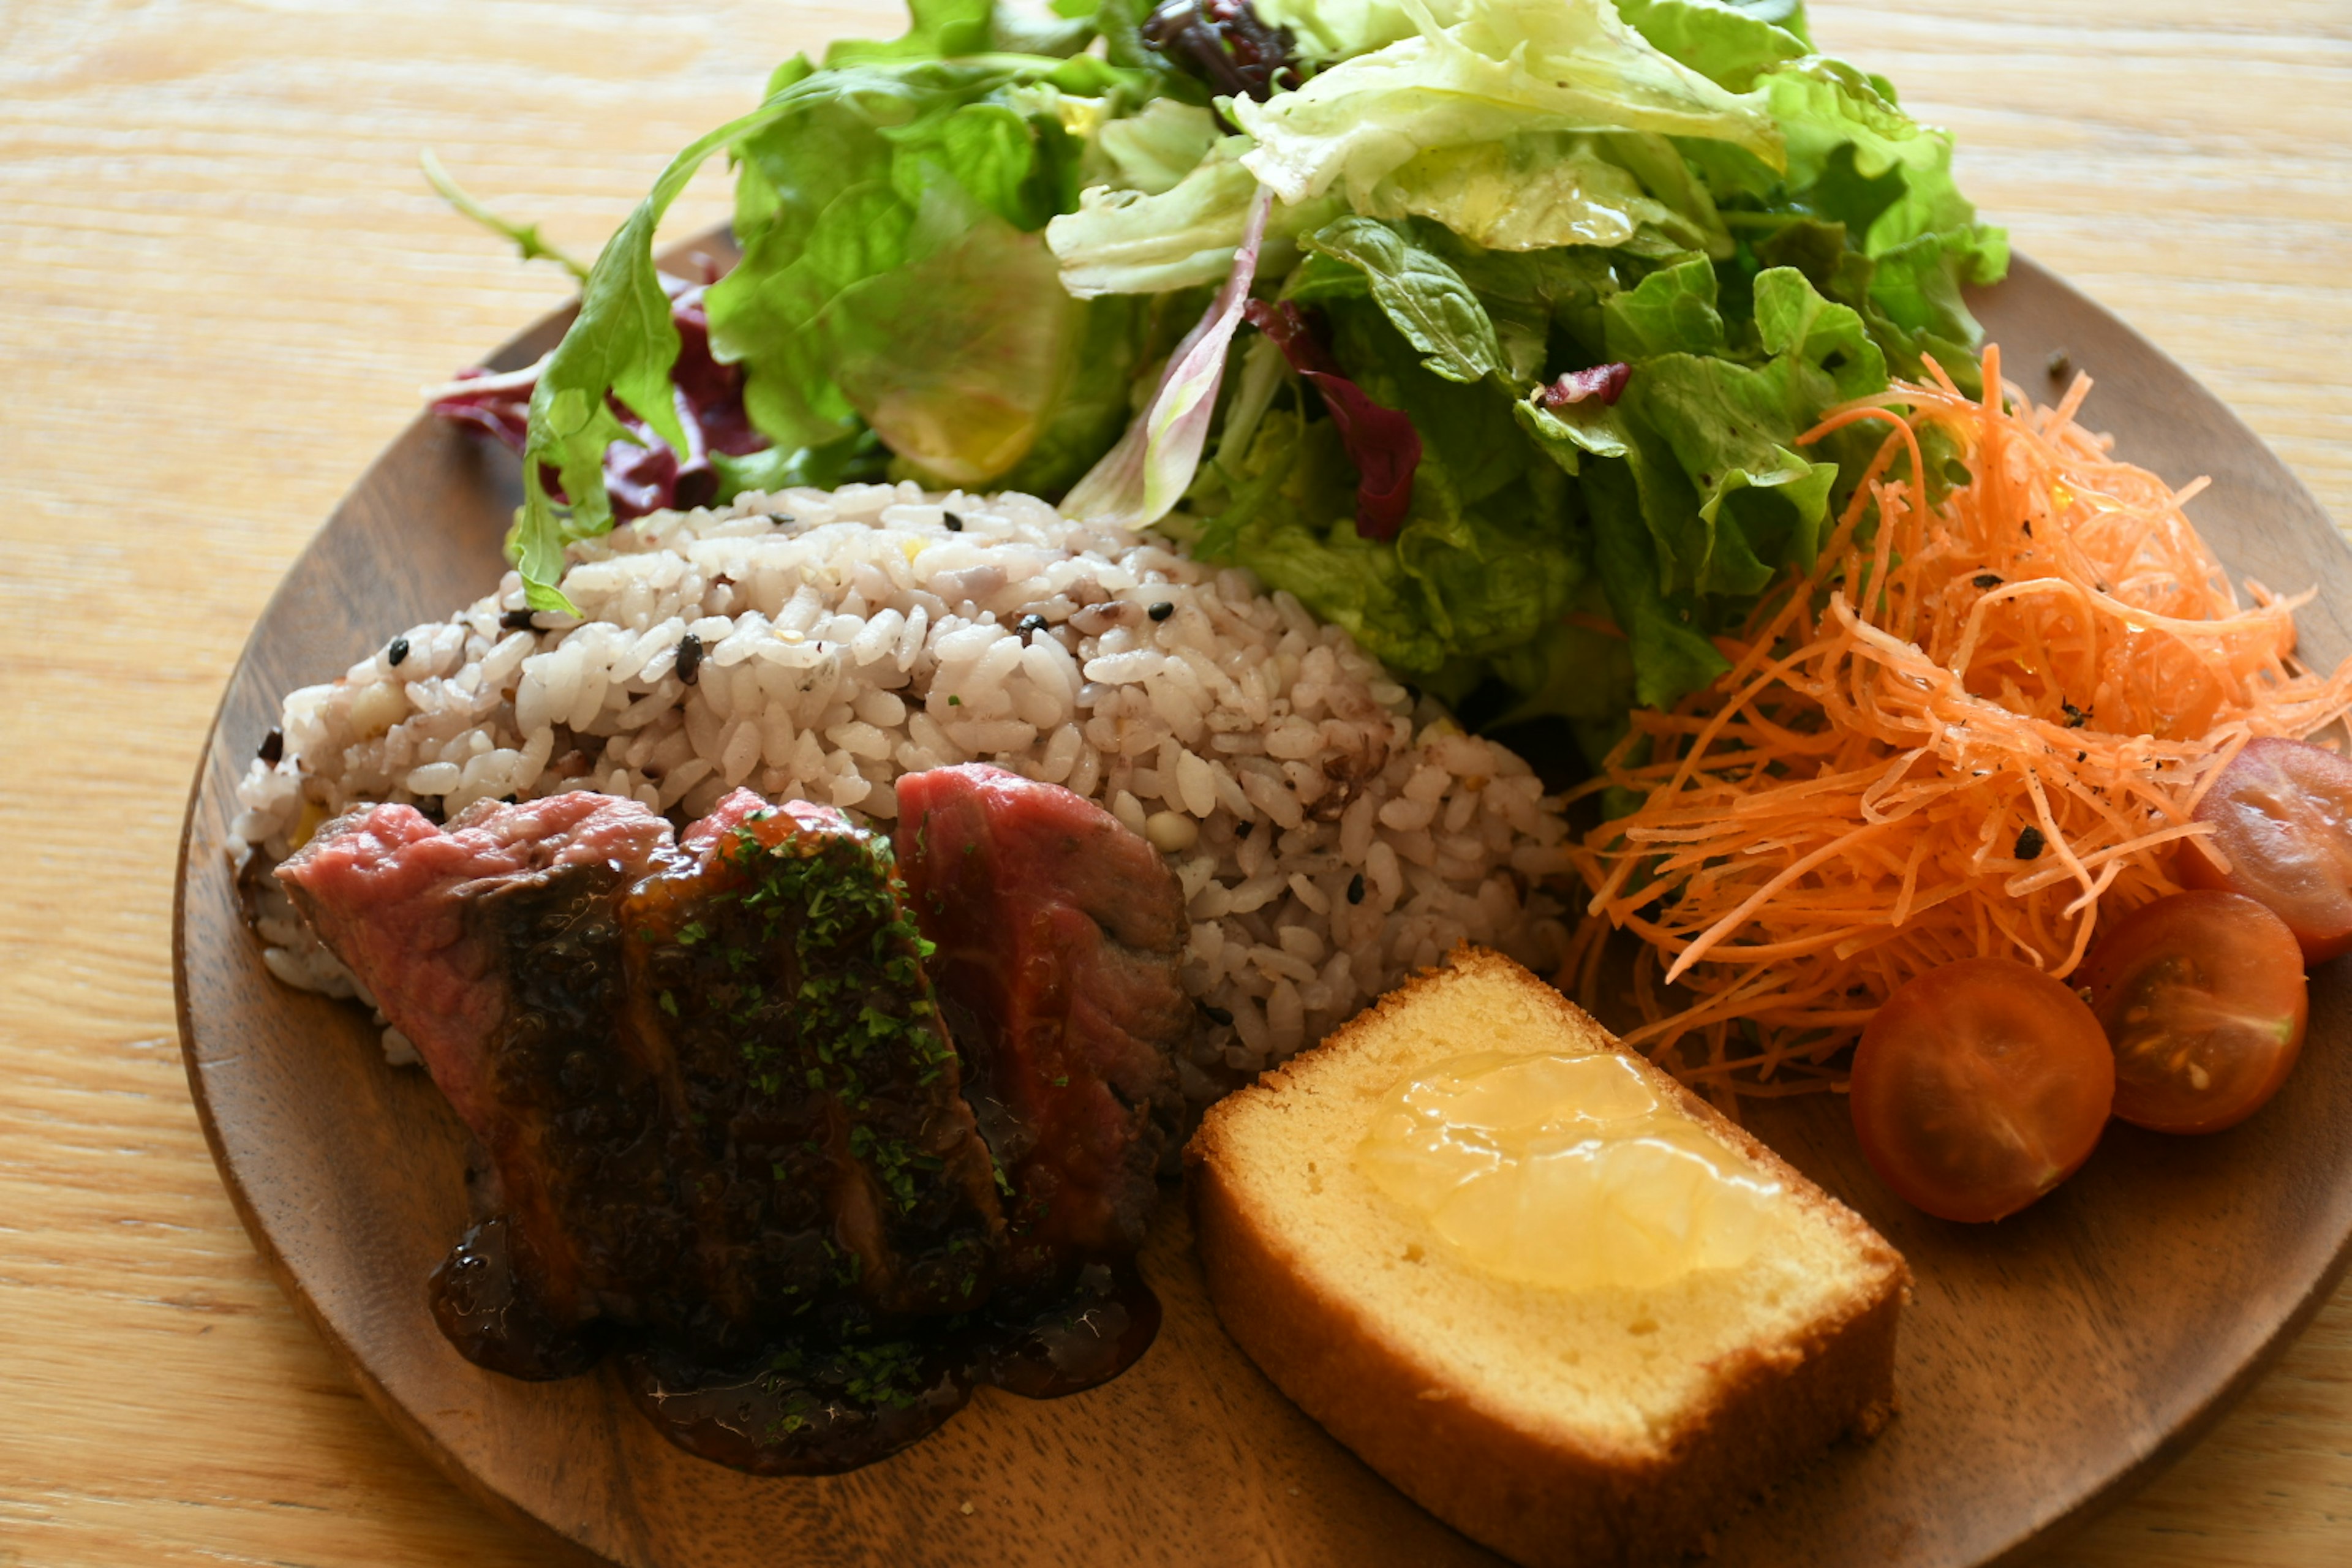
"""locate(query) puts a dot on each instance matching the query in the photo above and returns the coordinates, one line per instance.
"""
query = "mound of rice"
(1328, 846)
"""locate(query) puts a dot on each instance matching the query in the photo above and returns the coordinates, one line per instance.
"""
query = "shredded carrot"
(1974, 724)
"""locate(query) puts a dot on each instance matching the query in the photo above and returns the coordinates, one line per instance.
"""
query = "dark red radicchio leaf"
(1380, 442)
(1604, 383)
(642, 474)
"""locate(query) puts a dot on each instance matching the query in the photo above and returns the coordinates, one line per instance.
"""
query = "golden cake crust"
(1505, 1475)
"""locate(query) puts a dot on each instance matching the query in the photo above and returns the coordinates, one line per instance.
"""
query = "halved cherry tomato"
(1981, 1086)
(2282, 812)
(2203, 998)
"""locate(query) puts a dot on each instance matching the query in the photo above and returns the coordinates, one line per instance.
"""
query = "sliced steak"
(494, 947)
(714, 1089)
(822, 1134)
(1059, 934)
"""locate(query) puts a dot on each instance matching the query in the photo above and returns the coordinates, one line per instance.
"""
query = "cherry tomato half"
(1981, 1086)
(2203, 998)
(2282, 812)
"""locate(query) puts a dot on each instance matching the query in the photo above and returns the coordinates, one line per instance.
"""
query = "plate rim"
(2033, 1537)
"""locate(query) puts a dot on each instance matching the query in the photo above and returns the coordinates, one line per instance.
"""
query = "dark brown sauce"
(807, 1408)
(806, 1411)
(480, 1303)
(1100, 1329)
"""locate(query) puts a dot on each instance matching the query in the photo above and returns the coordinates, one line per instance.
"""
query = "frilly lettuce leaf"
(1506, 67)
(1338, 29)
(1537, 192)
(1131, 242)
(1155, 148)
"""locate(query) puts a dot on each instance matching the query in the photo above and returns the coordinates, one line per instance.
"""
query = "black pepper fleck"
(1987, 579)
(955, 523)
(2030, 844)
(1032, 622)
(1161, 611)
(1356, 888)
(517, 621)
(689, 658)
(2026, 523)
(396, 652)
(2076, 717)
(273, 747)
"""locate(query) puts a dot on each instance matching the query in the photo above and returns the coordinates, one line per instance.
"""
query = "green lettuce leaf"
(1727, 497)
(1427, 300)
(1506, 67)
(936, 29)
(1670, 311)
(1670, 656)
(838, 168)
(1729, 45)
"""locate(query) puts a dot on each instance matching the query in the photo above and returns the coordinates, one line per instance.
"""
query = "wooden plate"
(2049, 1364)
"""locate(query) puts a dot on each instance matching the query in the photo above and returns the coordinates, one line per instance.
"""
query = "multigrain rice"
(816, 646)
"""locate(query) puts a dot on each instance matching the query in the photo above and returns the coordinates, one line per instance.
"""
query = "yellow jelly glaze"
(1571, 1171)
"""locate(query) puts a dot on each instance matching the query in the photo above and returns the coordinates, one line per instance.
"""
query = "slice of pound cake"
(1551, 1295)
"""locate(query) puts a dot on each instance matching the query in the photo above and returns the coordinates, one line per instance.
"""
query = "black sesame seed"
(396, 652)
(1216, 1014)
(2081, 756)
(2030, 844)
(1032, 621)
(689, 658)
(1242, 829)
(781, 518)
(2026, 523)
(1987, 579)
(1356, 888)
(2061, 365)
(273, 747)
(517, 621)
(955, 523)
(1161, 611)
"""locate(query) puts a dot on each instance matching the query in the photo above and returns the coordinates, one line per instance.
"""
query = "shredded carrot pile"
(1976, 724)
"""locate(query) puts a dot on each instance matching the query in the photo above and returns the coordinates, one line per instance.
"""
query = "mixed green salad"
(1487, 328)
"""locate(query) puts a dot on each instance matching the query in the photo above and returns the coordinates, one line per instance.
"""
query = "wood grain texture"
(223, 282)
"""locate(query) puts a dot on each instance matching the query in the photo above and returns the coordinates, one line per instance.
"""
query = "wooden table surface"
(221, 281)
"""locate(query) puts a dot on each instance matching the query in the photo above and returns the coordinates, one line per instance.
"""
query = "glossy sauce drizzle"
(808, 1411)
(810, 1407)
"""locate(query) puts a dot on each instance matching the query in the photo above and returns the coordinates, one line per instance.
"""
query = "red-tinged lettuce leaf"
(1380, 442)
(1140, 481)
